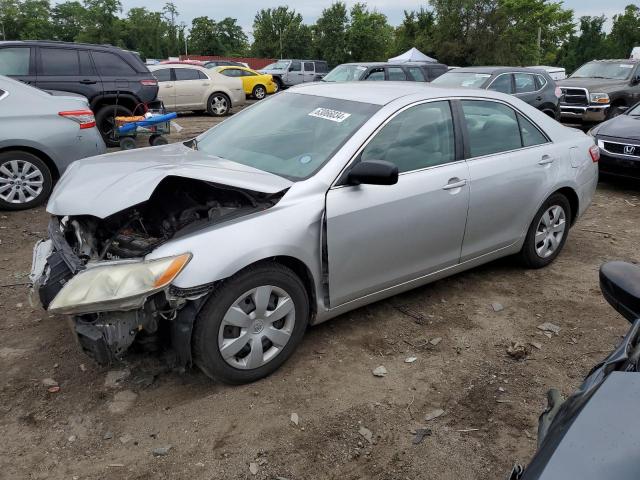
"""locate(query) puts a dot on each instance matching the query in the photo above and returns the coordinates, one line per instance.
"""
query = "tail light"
(149, 83)
(558, 92)
(594, 151)
(84, 118)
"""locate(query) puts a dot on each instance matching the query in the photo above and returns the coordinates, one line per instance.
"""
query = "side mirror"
(373, 172)
(620, 286)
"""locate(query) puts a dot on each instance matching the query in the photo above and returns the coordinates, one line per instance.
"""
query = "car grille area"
(574, 96)
(622, 149)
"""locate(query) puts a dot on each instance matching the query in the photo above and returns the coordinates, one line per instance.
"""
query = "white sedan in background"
(190, 87)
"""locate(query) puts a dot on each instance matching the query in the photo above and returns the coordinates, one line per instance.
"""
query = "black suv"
(114, 81)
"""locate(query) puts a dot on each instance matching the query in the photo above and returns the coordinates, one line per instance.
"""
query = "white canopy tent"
(413, 55)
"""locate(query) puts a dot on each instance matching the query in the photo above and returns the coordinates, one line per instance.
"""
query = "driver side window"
(420, 137)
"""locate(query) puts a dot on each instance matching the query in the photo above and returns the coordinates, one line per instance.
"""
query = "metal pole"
(3, 35)
(539, 44)
(186, 51)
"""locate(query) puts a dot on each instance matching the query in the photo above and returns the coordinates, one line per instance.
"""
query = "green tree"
(416, 30)
(172, 44)
(203, 39)
(145, 32)
(625, 32)
(279, 32)
(102, 24)
(591, 43)
(9, 19)
(233, 40)
(34, 20)
(67, 19)
(370, 36)
(330, 34)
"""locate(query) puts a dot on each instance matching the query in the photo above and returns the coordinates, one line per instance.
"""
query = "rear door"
(114, 71)
(190, 88)
(309, 71)
(502, 83)
(526, 89)
(19, 63)
(166, 87)
(69, 70)
(512, 166)
(417, 74)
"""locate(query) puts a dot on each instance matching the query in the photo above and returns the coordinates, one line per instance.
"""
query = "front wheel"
(251, 324)
(259, 92)
(219, 105)
(547, 233)
(25, 181)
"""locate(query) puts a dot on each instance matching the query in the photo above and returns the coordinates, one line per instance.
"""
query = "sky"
(244, 10)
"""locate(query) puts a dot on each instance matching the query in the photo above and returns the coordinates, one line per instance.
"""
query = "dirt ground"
(96, 427)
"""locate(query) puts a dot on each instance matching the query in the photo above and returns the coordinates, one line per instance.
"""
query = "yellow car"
(255, 84)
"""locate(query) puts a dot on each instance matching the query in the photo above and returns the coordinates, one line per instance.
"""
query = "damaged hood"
(103, 185)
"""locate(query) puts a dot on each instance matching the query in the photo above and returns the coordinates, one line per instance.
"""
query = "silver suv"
(287, 73)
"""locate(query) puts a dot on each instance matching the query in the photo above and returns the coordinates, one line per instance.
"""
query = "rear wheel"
(547, 233)
(25, 180)
(251, 324)
(105, 120)
(218, 105)
(259, 92)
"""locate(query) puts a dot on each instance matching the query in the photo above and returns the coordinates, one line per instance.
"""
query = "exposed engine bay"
(177, 207)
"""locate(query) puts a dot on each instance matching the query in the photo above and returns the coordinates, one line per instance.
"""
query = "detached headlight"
(598, 98)
(122, 286)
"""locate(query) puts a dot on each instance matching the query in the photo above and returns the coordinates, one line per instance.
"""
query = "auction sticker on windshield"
(328, 114)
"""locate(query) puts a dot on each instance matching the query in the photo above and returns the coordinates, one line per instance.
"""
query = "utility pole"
(539, 45)
(280, 42)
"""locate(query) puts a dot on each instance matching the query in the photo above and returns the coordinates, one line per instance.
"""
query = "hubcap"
(260, 93)
(256, 327)
(219, 105)
(20, 181)
(550, 231)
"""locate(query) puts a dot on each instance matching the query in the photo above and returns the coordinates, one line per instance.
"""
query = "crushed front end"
(95, 269)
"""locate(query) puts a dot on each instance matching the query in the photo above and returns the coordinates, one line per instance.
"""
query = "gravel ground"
(117, 423)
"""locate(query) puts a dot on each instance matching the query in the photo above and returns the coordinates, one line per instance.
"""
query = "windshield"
(345, 73)
(635, 111)
(462, 79)
(614, 71)
(289, 134)
(278, 66)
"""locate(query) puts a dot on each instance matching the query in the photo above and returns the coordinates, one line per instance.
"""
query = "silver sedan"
(309, 204)
(40, 134)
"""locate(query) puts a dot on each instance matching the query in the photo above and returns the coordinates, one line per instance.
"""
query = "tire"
(540, 252)
(213, 332)
(157, 140)
(259, 92)
(218, 105)
(278, 83)
(21, 192)
(105, 122)
(127, 143)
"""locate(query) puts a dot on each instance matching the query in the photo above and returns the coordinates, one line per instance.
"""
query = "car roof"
(614, 60)
(496, 70)
(61, 43)
(392, 64)
(382, 93)
(178, 65)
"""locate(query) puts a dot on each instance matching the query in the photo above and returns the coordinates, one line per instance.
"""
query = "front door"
(295, 75)
(18, 63)
(512, 166)
(381, 236)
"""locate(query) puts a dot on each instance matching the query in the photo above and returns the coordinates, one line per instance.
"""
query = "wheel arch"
(126, 100)
(222, 91)
(53, 168)
(574, 201)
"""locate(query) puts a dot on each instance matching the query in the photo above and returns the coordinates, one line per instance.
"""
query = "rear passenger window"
(417, 74)
(186, 74)
(162, 75)
(525, 83)
(15, 61)
(530, 134)
(541, 81)
(493, 127)
(86, 67)
(377, 74)
(111, 65)
(420, 137)
(502, 83)
(59, 62)
(396, 74)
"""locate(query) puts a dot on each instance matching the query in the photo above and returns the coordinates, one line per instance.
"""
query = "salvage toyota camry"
(228, 246)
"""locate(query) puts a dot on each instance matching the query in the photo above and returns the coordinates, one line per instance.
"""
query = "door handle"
(546, 160)
(86, 81)
(454, 183)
